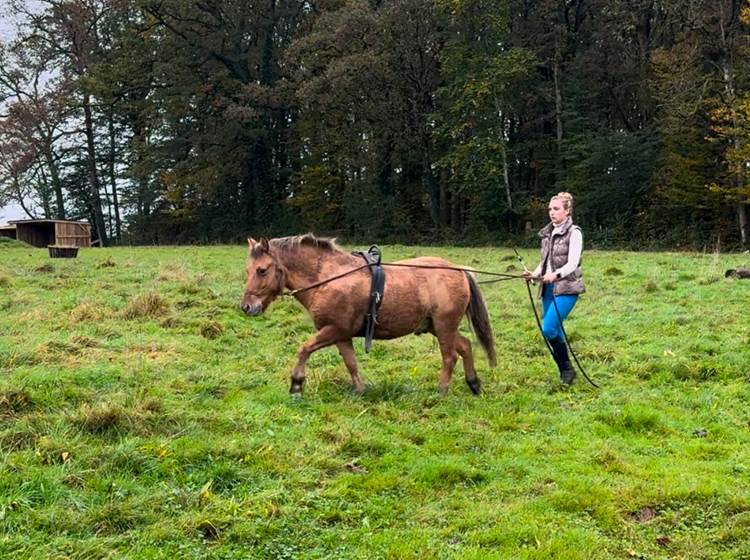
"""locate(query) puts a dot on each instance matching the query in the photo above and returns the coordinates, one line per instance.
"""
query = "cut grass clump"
(633, 419)
(442, 472)
(211, 329)
(613, 271)
(82, 341)
(386, 391)
(193, 285)
(86, 312)
(15, 402)
(16, 358)
(696, 372)
(53, 452)
(708, 280)
(210, 529)
(5, 281)
(17, 438)
(102, 418)
(146, 305)
(106, 263)
(47, 267)
(170, 322)
(114, 518)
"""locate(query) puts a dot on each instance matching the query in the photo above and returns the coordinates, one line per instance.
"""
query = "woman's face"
(557, 211)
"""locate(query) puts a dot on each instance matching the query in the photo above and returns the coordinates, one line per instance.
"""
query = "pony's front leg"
(346, 349)
(324, 337)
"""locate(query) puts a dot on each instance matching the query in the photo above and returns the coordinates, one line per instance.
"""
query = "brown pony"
(415, 300)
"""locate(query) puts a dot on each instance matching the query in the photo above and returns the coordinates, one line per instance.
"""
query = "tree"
(484, 77)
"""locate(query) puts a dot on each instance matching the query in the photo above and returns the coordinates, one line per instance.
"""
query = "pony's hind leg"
(463, 345)
(346, 349)
(324, 337)
(450, 357)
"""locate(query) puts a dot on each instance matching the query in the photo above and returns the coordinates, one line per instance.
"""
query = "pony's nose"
(251, 309)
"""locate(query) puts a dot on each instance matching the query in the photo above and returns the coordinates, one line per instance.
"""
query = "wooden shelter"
(8, 231)
(41, 233)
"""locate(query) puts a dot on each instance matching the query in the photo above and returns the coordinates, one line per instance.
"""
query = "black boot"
(567, 373)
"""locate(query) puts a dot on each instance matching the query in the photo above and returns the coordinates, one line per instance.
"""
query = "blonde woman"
(561, 276)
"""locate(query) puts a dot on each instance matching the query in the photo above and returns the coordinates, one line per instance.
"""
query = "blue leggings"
(551, 325)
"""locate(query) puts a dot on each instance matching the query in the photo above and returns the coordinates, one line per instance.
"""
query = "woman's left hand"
(549, 278)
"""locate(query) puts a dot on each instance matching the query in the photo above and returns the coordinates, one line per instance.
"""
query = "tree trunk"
(20, 199)
(445, 210)
(56, 184)
(432, 187)
(504, 154)
(558, 113)
(44, 193)
(113, 177)
(96, 201)
(644, 19)
(742, 221)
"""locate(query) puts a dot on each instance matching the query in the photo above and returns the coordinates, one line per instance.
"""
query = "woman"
(561, 276)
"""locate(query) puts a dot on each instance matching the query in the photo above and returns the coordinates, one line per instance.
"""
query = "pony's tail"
(479, 320)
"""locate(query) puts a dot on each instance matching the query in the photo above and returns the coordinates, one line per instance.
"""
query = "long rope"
(570, 348)
(533, 306)
(311, 286)
(503, 276)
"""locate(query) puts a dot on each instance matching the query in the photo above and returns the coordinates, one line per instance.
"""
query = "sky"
(7, 31)
(11, 212)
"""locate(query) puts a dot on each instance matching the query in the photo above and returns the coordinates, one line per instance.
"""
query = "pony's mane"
(307, 240)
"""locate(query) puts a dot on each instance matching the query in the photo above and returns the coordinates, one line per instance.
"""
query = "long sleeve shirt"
(575, 248)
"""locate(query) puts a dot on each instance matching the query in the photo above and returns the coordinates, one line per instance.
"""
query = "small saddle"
(377, 285)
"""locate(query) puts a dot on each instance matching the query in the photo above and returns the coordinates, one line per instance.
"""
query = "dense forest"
(166, 121)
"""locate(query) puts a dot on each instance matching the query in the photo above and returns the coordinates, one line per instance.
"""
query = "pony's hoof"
(475, 385)
(296, 390)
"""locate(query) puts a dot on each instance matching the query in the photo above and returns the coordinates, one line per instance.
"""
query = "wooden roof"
(47, 222)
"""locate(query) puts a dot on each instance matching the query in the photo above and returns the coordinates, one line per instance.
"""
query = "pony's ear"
(264, 244)
(251, 242)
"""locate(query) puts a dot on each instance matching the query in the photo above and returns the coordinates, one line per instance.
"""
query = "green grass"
(143, 416)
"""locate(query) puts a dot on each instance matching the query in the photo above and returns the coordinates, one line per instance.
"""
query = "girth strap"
(377, 285)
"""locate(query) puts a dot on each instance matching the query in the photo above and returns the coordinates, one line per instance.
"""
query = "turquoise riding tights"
(551, 323)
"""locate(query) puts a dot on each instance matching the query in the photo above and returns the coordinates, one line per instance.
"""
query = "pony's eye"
(261, 271)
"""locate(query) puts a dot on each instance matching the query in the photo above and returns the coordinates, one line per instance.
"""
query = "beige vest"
(558, 257)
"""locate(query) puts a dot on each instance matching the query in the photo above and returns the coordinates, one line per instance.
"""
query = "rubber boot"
(567, 373)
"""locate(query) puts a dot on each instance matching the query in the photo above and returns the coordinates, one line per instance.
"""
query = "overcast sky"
(7, 31)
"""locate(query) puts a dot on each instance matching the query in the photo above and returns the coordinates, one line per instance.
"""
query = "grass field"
(143, 416)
